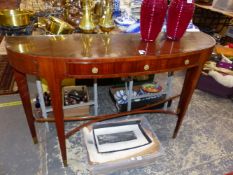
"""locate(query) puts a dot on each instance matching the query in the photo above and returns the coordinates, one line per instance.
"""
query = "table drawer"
(147, 65)
(179, 62)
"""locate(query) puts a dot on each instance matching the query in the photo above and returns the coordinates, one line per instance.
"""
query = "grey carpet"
(204, 144)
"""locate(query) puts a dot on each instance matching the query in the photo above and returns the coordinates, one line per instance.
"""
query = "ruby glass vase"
(180, 13)
(151, 18)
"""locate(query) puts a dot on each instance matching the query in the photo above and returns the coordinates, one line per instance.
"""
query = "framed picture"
(112, 137)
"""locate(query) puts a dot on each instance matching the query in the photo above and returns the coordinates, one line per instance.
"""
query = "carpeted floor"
(203, 146)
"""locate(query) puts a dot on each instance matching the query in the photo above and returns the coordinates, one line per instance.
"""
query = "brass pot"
(14, 17)
(58, 26)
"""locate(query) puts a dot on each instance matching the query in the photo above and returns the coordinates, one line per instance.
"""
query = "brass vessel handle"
(94, 70)
(186, 62)
(146, 67)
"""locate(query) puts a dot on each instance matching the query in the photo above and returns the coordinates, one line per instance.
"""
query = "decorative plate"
(151, 88)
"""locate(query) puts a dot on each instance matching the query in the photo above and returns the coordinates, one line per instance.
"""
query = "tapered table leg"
(190, 82)
(54, 86)
(21, 81)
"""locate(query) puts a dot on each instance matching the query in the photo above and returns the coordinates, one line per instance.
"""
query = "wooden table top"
(101, 46)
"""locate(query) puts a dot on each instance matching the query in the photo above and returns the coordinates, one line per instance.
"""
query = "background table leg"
(21, 81)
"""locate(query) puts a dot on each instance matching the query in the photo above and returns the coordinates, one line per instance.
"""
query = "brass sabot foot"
(35, 140)
(65, 163)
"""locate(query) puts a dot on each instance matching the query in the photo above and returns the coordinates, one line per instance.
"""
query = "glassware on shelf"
(151, 18)
(180, 13)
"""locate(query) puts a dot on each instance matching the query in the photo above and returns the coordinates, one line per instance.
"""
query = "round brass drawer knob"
(94, 70)
(146, 67)
(186, 62)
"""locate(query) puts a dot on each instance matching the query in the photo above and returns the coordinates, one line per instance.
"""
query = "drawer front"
(131, 67)
(180, 62)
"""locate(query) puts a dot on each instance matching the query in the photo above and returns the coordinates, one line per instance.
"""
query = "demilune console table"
(98, 56)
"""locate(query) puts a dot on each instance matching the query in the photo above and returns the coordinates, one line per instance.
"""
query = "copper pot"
(14, 17)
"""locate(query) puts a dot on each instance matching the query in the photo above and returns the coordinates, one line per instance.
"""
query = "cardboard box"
(74, 110)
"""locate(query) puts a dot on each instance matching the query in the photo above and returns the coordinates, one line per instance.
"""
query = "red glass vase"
(180, 13)
(151, 18)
